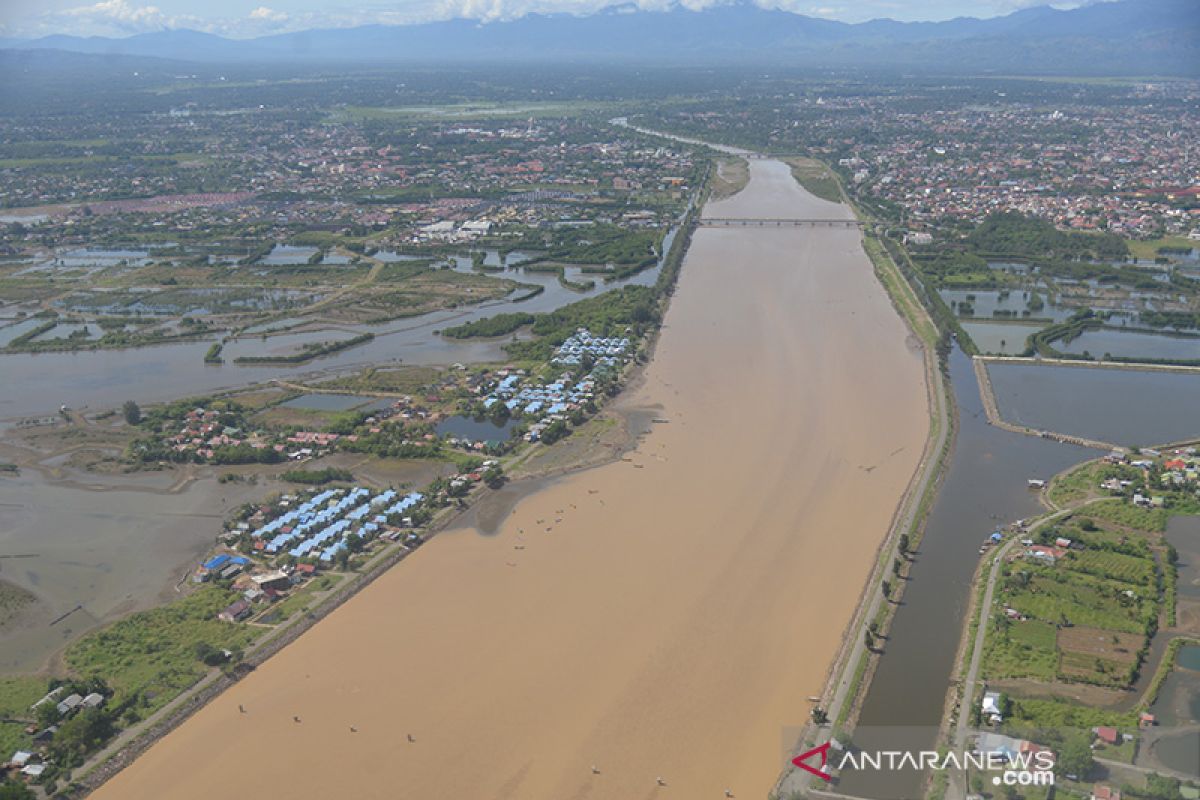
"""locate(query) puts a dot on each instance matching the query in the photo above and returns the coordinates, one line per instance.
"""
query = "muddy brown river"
(662, 617)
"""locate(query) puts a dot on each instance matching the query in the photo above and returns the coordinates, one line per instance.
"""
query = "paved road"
(958, 786)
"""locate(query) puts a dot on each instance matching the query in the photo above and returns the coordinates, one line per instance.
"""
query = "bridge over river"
(777, 222)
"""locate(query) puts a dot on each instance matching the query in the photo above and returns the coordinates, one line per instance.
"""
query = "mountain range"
(1128, 37)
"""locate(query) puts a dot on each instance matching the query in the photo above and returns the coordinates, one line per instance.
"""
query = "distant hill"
(1130, 37)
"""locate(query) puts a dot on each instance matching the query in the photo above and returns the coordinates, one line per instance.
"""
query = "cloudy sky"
(244, 18)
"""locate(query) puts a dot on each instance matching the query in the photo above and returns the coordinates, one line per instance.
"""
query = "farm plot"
(1095, 655)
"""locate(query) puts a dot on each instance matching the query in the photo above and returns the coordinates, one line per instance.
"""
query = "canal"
(985, 487)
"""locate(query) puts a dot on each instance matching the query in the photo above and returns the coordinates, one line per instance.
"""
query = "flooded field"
(1000, 338)
(106, 551)
(478, 430)
(984, 487)
(327, 402)
(1178, 706)
(95, 547)
(1184, 534)
(665, 616)
(1103, 342)
(10, 332)
(1126, 407)
(40, 383)
(1016, 303)
(287, 254)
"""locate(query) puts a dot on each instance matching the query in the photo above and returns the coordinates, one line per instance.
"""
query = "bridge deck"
(780, 222)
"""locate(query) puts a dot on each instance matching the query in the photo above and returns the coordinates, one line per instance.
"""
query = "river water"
(662, 617)
(985, 486)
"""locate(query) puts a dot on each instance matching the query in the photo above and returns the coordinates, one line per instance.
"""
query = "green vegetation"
(533, 290)
(816, 177)
(151, 656)
(731, 177)
(400, 380)
(1029, 714)
(308, 352)
(1149, 249)
(1088, 617)
(1124, 513)
(1059, 595)
(1083, 482)
(11, 790)
(600, 245)
(301, 599)
(318, 477)
(628, 311)
(131, 412)
(17, 694)
(900, 291)
(1013, 234)
(1024, 650)
(498, 325)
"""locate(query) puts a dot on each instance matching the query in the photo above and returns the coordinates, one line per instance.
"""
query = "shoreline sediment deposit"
(662, 616)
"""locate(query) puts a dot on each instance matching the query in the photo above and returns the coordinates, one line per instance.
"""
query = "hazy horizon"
(237, 19)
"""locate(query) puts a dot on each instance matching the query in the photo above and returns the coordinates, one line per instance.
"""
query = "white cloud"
(122, 15)
(264, 14)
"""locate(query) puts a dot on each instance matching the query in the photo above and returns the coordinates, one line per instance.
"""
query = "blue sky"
(245, 18)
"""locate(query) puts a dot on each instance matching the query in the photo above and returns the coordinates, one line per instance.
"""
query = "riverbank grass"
(1149, 248)
(17, 694)
(815, 177)
(731, 177)
(900, 292)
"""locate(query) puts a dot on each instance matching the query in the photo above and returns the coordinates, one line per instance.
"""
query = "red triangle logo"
(823, 751)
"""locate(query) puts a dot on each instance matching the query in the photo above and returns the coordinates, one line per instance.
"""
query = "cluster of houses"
(451, 231)
(311, 532)
(202, 433)
(991, 709)
(308, 444)
(461, 483)
(29, 764)
(1010, 747)
(553, 401)
(255, 585)
(318, 527)
(1179, 471)
(936, 163)
(607, 351)
(1048, 554)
